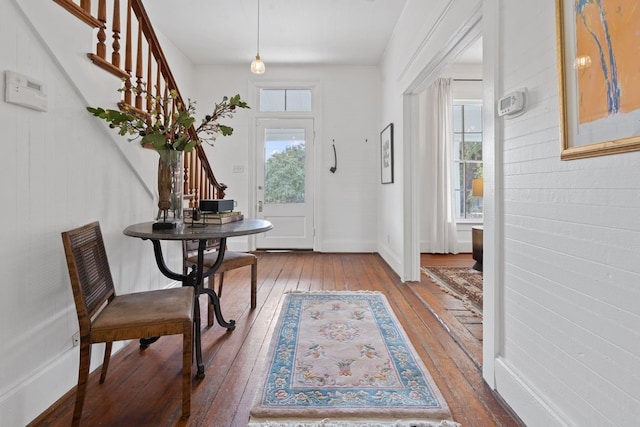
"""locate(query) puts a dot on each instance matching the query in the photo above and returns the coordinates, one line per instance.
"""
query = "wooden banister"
(82, 12)
(200, 181)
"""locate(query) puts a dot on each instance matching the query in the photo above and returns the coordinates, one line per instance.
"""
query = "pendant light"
(257, 66)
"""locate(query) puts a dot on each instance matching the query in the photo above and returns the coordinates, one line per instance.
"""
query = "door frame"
(493, 312)
(305, 209)
(315, 115)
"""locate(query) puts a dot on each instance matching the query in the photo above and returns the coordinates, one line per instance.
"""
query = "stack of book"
(221, 217)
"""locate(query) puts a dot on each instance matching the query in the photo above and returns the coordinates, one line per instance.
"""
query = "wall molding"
(528, 403)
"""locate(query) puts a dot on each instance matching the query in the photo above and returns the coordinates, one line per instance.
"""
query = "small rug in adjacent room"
(342, 359)
(463, 282)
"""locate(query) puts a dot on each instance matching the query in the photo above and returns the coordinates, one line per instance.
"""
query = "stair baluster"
(200, 181)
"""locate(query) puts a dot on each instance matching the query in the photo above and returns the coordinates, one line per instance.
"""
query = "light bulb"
(257, 66)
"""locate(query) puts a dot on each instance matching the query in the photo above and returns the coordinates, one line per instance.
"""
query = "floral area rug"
(463, 282)
(343, 359)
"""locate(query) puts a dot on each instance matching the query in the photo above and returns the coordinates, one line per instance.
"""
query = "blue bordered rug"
(343, 359)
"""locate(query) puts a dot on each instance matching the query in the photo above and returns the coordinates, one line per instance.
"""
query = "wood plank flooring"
(465, 325)
(143, 387)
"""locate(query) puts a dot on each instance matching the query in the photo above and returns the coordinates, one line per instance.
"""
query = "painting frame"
(386, 155)
(618, 132)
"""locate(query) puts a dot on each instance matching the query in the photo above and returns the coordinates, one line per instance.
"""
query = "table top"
(243, 227)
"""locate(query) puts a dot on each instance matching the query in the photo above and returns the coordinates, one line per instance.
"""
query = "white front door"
(285, 182)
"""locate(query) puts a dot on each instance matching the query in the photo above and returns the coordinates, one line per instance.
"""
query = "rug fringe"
(362, 423)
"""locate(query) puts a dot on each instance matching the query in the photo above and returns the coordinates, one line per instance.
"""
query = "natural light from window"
(281, 100)
(467, 159)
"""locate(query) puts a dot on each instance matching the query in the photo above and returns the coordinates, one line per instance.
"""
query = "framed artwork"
(386, 154)
(599, 76)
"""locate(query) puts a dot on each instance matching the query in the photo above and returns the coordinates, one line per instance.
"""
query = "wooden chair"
(105, 317)
(231, 261)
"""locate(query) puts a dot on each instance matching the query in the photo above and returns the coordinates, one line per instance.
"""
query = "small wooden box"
(216, 205)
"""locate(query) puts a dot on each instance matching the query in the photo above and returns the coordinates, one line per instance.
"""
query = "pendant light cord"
(258, 41)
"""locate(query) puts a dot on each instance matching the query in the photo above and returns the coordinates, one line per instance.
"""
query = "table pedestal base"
(230, 325)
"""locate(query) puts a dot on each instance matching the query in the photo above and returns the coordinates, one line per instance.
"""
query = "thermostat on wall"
(25, 91)
(512, 104)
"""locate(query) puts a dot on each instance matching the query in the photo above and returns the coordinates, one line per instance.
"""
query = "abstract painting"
(599, 76)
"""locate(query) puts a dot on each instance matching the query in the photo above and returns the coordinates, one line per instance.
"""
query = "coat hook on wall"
(334, 168)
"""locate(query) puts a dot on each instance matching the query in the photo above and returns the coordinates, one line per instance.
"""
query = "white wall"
(568, 350)
(416, 55)
(61, 169)
(65, 168)
(346, 208)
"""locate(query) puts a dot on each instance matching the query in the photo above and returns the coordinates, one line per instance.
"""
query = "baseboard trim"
(529, 404)
(29, 402)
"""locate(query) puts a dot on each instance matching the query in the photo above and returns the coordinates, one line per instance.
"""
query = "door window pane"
(284, 168)
(272, 100)
(298, 100)
(281, 100)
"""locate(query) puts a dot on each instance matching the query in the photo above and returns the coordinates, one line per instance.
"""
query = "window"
(467, 159)
(280, 100)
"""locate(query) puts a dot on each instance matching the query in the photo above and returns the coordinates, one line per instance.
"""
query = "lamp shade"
(257, 66)
(477, 187)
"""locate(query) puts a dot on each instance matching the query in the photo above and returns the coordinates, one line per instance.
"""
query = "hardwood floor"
(143, 387)
(466, 325)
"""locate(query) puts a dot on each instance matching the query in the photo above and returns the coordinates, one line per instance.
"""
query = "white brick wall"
(571, 250)
(562, 238)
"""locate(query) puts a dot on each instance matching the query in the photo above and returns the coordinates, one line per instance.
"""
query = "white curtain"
(439, 222)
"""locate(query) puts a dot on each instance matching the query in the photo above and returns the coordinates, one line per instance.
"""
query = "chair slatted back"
(89, 270)
(191, 246)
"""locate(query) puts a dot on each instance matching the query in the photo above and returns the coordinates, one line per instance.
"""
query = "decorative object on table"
(217, 205)
(170, 189)
(169, 130)
(386, 154)
(342, 358)
(222, 218)
(197, 218)
(464, 283)
(597, 68)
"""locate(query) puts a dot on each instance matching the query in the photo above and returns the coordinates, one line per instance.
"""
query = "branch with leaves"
(168, 126)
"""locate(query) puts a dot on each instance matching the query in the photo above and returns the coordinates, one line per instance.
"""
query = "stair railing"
(151, 66)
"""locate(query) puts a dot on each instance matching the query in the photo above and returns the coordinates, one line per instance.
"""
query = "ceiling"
(314, 32)
(343, 32)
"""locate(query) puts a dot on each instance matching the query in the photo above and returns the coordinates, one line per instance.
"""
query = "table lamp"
(477, 187)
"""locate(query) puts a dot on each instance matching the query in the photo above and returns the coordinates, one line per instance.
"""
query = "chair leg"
(83, 376)
(105, 362)
(254, 285)
(220, 285)
(187, 345)
(212, 285)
